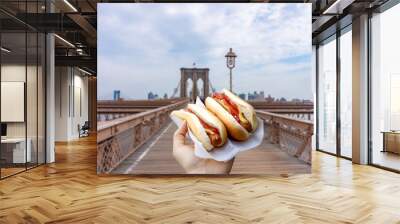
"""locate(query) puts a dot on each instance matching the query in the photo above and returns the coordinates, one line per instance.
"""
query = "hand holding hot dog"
(184, 155)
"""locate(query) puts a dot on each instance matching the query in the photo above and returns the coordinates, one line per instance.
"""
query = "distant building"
(282, 99)
(269, 98)
(150, 96)
(242, 96)
(117, 95)
(250, 96)
(260, 96)
(256, 96)
(295, 100)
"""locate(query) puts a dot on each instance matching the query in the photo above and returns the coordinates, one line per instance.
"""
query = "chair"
(84, 130)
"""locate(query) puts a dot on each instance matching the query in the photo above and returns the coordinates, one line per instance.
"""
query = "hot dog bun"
(204, 125)
(244, 107)
(236, 130)
(211, 120)
(245, 122)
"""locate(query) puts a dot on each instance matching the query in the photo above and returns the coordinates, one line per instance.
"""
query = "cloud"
(141, 47)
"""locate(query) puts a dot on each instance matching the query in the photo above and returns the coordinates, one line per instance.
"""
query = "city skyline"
(252, 95)
(145, 49)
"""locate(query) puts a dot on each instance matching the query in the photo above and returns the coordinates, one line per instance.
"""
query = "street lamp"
(230, 63)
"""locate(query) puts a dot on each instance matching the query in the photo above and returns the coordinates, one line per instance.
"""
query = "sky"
(141, 47)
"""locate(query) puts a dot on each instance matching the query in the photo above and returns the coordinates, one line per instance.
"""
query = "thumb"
(180, 134)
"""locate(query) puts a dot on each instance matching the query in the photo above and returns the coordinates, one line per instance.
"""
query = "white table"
(19, 154)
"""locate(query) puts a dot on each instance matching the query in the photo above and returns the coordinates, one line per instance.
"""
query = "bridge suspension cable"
(211, 87)
(176, 90)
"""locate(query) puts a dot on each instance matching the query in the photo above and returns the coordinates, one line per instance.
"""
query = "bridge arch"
(200, 88)
(200, 80)
(189, 87)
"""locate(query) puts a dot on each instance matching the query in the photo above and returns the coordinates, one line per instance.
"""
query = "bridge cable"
(175, 90)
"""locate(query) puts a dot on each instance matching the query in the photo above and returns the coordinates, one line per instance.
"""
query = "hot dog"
(238, 116)
(206, 127)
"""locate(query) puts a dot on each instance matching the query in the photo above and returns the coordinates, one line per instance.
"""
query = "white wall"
(62, 82)
(33, 126)
(71, 102)
(10, 73)
(15, 72)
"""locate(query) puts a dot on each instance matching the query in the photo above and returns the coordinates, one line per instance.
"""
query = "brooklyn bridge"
(135, 136)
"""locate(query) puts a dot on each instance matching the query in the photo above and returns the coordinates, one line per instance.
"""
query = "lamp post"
(230, 63)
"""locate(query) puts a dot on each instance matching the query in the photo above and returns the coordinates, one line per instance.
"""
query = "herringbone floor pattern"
(69, 191)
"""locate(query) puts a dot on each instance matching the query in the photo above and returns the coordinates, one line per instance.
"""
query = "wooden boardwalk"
(156, 158)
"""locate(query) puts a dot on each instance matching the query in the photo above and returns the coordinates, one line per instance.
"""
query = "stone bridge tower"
(194, 74)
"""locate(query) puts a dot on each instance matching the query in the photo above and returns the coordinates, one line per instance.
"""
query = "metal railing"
(293, 135)
(117, 139)
(113, 109)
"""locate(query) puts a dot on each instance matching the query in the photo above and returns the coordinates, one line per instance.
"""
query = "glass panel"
(31, 100)
(385, 86)
(13, 87)
(313, 80)
(346, 94)
(327, 96)
(23, 89)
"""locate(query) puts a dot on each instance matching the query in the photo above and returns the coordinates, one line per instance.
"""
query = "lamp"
(64, 40)
(70, 5)
(337, 7)
(5, 49)
(230, 63)
(85, 72)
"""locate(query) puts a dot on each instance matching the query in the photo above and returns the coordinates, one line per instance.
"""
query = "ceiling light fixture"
(84, 71)
(70, 5)
(5, 50)
(79, 51)
(64, 40)
(337, 7)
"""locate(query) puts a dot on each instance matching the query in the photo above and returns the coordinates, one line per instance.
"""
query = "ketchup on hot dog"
(211, 131)
(229, 105)
(232, 108)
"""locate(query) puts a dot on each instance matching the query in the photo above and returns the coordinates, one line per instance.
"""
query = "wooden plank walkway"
(156, 158)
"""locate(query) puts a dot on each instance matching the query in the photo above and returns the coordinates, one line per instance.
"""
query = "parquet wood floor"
(69, 191)
(11, 170)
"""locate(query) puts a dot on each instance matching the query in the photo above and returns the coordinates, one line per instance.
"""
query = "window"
(346, 93)
(385, 89)
(327, 95)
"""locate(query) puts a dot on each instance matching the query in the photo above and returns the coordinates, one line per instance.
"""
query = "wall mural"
(204, 89)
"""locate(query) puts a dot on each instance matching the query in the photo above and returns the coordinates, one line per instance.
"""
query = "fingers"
(180, 134)
(183, 129)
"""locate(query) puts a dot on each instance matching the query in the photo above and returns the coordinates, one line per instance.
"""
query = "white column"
(63, 103)
(50, 92)
(360, 90)
(50, 100)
